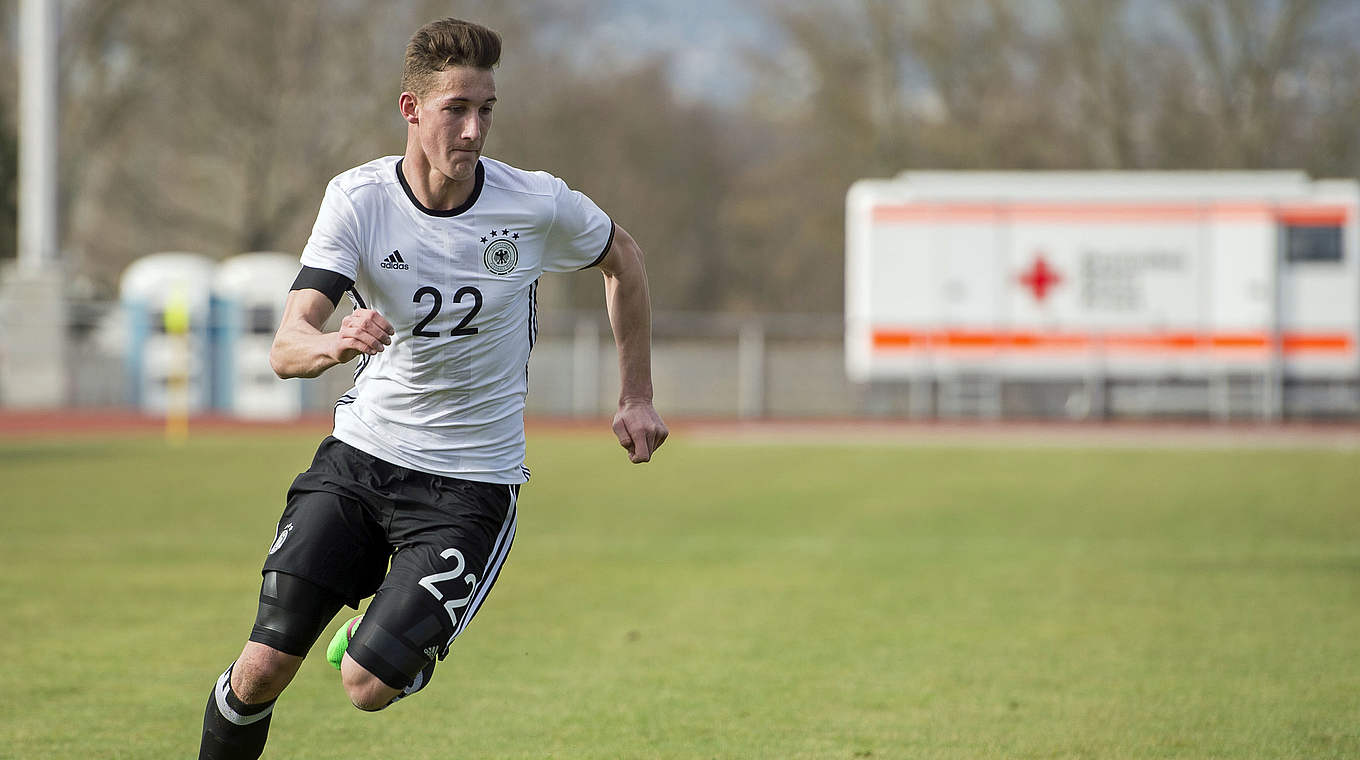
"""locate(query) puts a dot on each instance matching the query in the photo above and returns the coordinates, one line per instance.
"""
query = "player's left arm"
(638, 426)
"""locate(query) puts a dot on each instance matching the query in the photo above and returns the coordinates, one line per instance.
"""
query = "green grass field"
(727, 601)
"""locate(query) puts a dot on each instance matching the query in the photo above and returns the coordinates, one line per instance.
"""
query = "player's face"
(454, 118)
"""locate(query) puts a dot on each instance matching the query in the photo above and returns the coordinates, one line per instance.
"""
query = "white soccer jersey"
(447, 396)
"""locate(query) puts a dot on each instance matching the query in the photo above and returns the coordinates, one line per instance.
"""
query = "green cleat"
(336, 650)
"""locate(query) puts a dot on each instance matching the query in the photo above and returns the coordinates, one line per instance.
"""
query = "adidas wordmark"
(394, 261)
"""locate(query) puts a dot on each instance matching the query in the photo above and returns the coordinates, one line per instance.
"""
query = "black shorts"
(351, 514)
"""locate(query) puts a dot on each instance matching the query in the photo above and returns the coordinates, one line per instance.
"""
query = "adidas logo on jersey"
(394, 261)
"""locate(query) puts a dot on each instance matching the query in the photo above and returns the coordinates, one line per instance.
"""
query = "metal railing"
(772, 366)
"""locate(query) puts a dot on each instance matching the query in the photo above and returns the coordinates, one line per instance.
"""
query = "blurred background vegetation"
(213, 127)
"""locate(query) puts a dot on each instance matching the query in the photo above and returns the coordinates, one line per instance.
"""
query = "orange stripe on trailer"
(1109, 212)
(937, 212)
(1049, 341)
(1176, 341)
(1240, 211)
(1115, 212)
(899, 339)
(1259, 341)
(967, 339)
(890, 340)
(1293, 342)
(1313, 216)
(1080, 212)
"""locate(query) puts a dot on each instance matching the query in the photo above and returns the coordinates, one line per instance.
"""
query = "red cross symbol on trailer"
(1039, 278)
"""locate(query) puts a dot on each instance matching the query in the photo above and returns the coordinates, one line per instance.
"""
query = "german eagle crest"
(500, 255)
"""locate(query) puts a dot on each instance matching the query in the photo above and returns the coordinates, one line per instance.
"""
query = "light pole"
(33, 351)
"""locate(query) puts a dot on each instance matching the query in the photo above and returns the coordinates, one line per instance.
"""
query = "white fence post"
(751, 370)
(585, 369)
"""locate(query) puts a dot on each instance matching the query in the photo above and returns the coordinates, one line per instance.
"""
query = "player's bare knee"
(368, 699)
(366, 691)
(261, 672)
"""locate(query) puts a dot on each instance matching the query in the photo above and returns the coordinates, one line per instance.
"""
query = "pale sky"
(701, 36)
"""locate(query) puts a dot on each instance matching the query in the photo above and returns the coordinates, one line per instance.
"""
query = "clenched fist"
(640, 430)
(363, 331)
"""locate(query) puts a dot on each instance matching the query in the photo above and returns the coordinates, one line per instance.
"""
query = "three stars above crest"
(501, 233)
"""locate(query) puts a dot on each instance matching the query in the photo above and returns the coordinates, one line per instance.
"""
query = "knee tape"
(292, 613)
(400, 634)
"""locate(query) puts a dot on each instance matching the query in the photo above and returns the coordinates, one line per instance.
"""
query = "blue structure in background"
(233, 310)
(149, 287)
(247, 305)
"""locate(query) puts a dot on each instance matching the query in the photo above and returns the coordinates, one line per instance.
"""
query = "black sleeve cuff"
(331, 284)
(607, 244)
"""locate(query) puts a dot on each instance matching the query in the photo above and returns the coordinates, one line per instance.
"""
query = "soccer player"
(440, 251)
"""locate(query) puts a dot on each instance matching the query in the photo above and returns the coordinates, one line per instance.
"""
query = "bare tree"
(888, 85)
(227, 122)
(1246, 49)
(1097, 55)
(656, 164)
(213, 127)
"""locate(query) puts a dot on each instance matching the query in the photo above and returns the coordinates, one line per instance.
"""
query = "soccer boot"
(335, 652)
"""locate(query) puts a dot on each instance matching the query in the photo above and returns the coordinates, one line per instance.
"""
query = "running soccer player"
(440, 251)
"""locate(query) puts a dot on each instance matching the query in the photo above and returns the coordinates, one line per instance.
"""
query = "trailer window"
(1307, 243)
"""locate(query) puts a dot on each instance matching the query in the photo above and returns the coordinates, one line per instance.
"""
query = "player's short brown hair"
(445, 43)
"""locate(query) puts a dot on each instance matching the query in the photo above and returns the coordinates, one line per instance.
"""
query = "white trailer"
(1146, 276)
(168, 371)
(248, 294)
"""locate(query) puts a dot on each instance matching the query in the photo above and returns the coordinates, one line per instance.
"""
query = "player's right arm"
(302, 349)
(330, 265)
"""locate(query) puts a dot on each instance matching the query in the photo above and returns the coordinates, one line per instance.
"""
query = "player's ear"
(407, 104)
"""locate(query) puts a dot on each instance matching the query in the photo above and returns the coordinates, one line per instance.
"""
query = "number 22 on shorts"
(452, 605)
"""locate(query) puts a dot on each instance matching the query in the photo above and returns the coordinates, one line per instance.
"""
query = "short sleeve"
(581, 233)
(334, 243)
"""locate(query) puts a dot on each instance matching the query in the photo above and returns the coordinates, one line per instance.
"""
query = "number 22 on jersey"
(437, 302)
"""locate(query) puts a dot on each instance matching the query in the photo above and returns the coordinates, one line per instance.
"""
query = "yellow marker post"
(177, 373)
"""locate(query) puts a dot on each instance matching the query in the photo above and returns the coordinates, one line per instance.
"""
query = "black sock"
(232, 729)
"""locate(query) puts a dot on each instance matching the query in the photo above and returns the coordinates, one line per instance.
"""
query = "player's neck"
(434, 189)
